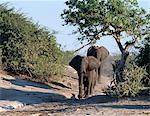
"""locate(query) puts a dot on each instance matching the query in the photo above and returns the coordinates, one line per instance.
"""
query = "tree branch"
(119, 43)
(129, 44)
(83, 46)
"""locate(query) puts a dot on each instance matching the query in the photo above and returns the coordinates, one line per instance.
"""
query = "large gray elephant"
(85, 67)
(101, 53)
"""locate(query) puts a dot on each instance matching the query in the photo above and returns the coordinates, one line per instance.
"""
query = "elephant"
(101, 53)
(85, 67)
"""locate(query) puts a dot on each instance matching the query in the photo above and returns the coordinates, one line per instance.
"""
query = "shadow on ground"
(24, 83)
(95, 100)
(126, 106)
(28, 97)
(75, 108)
(61, 85)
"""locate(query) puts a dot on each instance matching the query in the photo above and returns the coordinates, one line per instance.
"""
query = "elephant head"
(101, 53)
(82, 65)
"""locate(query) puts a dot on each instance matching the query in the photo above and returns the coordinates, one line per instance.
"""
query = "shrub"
(28, 48)
(131, 85)
(0, 58)
(143, 59)
(67, 56)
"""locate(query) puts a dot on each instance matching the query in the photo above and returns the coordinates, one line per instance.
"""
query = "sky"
(47, 13)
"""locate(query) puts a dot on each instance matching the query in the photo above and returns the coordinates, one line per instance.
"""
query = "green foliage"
(67, 56)
(0, 58)
(131, 58)
(27, 48)
(143, 59)
(96, 18)
(131, 86)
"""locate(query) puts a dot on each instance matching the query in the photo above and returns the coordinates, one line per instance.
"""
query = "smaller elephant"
(101, 53)
(85, 67)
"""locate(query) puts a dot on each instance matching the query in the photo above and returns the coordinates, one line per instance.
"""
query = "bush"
(143, 59)
(0, 58)
(67, 56)
(131, 85)
(28, 48)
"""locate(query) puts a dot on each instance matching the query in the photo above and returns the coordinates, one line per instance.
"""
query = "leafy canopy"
(97, 18)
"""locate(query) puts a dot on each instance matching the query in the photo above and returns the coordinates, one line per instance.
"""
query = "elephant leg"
(85, 92)
(85, 86)
(80, 86)
(92, 86)
(99, 74)
(88, 92)
(89, 87)
(93, 81)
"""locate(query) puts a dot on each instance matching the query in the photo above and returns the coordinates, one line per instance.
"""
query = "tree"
(121, 19)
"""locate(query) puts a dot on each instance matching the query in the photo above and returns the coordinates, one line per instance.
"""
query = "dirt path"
(90, 107)
(25, 98)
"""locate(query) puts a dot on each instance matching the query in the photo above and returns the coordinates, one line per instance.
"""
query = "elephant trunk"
(81, 75)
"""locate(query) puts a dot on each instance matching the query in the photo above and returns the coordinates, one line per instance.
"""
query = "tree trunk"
(119, 67)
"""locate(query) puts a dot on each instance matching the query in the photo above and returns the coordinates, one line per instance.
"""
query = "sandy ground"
(24, 98)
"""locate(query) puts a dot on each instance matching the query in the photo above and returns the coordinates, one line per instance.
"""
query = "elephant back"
(98, 52)
(93, 63)
(92, 51)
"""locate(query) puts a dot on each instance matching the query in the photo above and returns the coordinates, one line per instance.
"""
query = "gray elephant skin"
(89, 82)
(101, 53)
(86, 68)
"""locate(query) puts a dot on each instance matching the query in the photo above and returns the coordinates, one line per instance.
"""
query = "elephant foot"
(86, 96)
(80, 96)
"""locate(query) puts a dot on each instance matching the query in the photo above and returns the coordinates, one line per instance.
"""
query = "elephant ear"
(93, 63)
(76, 62)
